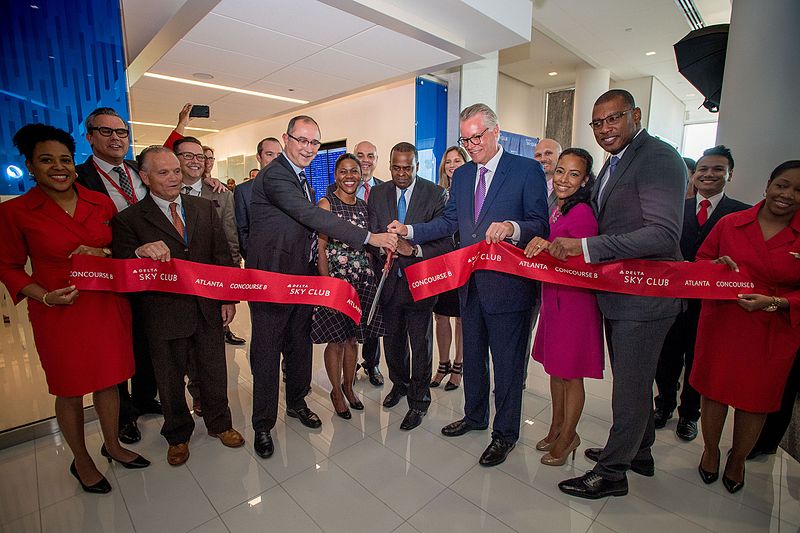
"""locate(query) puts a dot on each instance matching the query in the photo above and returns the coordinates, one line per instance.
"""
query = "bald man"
(546, 153)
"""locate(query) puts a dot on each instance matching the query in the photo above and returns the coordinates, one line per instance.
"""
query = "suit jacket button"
(474, 235)
(185, 249)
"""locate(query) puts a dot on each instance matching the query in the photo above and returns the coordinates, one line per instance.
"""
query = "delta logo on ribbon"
(668, 279)
(90, 273)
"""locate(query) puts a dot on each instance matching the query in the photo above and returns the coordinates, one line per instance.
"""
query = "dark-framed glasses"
(106, 132)
(302, 141)
(188, 156)
(612, 119)
(475, 139)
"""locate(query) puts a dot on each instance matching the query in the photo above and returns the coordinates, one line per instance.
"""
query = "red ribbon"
(672, 279)
(90, 273)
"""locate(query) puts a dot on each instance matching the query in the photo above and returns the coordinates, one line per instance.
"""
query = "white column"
(479, 82)
(759, 107)
(590, 83)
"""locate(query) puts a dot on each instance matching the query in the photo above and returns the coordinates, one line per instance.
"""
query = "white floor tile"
(21, 497)
(214, 525)
(337, 502)
(632, 514)
(273, 510)
(88, 513)
(450, 513)
(29, 523)
(293, 453)
(405, 528)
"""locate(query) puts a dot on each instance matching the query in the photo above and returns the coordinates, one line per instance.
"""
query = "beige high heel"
(544, 446)
(550, 460)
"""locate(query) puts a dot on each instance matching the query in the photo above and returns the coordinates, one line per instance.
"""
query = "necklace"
(555, 215)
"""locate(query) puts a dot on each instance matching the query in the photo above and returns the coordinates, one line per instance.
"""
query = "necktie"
(402, 207)
(124, 182)
(187, 190)
(480, 193)
(702, 214)
(304, 183)
(612, 166)
(176, 220)
(366, 191)
(312, 257)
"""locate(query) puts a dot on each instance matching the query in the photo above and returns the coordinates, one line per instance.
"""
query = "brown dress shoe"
(178, 454)
(230, 438)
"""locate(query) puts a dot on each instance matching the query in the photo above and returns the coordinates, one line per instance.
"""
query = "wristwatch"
(773, 306)
(107, 252)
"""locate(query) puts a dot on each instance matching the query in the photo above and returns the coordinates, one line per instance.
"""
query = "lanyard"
(131, 199)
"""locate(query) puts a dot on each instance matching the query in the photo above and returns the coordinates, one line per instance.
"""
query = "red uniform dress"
(86, 346)
(743, 359)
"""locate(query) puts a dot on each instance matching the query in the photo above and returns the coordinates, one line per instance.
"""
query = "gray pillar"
(590, 83)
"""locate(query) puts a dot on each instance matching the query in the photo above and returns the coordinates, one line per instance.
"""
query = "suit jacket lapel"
(413, 202)
(391, 200)
(155, 216)
(500, 175)
(191, 215)
(622, 166)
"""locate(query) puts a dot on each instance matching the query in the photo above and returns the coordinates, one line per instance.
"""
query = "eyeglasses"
(188, 156)
(106, 132)
(611, 119)
(475, 139)
(302, 141)
(210, 158)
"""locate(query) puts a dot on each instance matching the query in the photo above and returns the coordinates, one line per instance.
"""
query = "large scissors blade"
(387, 266)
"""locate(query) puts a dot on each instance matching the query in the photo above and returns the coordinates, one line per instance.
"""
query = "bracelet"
(44, 300)
(774, 306)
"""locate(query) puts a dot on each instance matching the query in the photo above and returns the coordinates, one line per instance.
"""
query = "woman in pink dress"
(569, 338)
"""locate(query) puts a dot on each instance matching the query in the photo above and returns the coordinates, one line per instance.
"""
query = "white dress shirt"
(164, 206)
(139, 188)
(409, 191)
(196, 188)
(713, 199)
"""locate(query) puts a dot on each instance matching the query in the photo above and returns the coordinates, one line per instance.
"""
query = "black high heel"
(139, 462)
(444, 369)
(457, 370)
(730, 485)
(355, 404)
(101, 487)
(705, 475)
(343, 414)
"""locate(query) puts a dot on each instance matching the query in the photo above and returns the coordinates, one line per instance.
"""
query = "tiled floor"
(365, 475)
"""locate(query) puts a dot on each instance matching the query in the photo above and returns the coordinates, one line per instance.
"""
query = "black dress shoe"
(101, 487)
(643, 468)
(232, 338)
(686, 430)
(393, 398)
(150, 407)
(139, 462)
(129, 432)
(262, 443)
(460, 427)
(306, 416)
(375, 376)
(593, 487)
(496, 452)
(660, 417)
(412, 419)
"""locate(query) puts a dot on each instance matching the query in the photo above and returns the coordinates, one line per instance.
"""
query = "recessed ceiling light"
(223, 88)
(690, 95)
(171, 126)
(650, 53)
(34, 6)
(554, 73)
(203, 76)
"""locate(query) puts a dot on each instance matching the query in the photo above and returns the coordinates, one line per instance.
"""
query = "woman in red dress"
(745, 348)
(83, 339)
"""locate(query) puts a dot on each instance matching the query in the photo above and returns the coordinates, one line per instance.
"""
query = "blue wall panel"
(431, 126)
(59, 60)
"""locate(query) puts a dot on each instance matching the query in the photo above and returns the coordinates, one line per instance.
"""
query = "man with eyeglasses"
(497, 196)
(638, 199)
(284, 223)
(108, 172)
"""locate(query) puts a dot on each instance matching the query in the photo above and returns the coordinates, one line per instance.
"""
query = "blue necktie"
(402, 207)
(612, 166)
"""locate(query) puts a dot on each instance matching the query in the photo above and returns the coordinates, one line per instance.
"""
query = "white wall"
(520, 107)
(384, 115)
(640, 88)
(666, 115)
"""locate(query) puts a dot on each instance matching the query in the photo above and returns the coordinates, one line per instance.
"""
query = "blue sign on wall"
(431, 126)
(61, 59)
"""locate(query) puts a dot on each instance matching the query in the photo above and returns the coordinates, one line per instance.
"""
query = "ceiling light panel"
(222, 87)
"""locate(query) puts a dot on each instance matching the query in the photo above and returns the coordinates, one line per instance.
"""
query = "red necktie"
(702, 214)
(176, 219)
(366, 191)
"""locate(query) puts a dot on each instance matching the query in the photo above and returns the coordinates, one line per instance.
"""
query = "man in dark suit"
(108, 172)
(411, 200)
(166, 225)
(266, 150)
(713, 171)
(547, 152)
(284, 223)
(638, 198)
(496, 196)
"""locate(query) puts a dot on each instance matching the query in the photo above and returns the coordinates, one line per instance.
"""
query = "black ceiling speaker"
(701, 59)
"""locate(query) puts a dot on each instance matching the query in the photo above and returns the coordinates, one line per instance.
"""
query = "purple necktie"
(480, 193)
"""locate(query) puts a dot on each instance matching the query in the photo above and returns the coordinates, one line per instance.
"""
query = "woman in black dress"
(447, 305)
(339, 260)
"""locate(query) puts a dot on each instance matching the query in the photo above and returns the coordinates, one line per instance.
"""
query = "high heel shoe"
(139, 462)
(343, 414)
(544, 446)
(730, 485)
(708, 477)
(101, 487)
(456, 370)
(551, 460)
(443, 370)
(355, 404)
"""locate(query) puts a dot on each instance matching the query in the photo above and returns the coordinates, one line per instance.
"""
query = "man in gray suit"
(638, 199)
(547, 152)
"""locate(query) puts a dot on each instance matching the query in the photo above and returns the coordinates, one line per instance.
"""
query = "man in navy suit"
(700, 214)
(497, 196)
